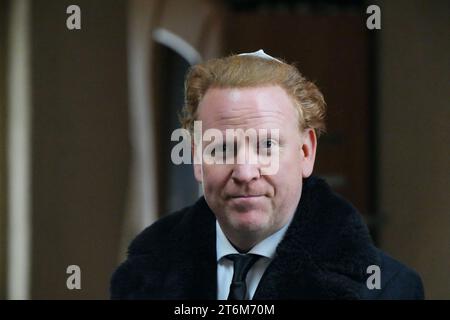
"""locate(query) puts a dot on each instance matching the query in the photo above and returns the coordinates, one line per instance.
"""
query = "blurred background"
(86, 117)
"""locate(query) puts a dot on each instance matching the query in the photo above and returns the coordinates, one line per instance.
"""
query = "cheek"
(289, 177)
(290, 162)
(214, 178)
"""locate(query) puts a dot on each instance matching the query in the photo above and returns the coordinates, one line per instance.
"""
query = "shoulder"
(157, 234)
(143, 271)
(350, 247)
(398, 281)
(173, 229)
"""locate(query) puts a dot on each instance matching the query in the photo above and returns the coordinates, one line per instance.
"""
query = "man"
(257, 234)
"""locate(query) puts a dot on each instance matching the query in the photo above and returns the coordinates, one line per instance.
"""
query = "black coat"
(323, 255)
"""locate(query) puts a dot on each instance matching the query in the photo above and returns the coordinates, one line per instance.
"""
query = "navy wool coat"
(324, 254)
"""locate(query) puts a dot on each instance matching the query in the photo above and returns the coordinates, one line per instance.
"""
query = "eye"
(225, 150)
(266, 144)
(219, 149)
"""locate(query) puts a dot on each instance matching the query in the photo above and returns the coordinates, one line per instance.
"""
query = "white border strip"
(179, 45)
(141, 195)
(19, 151)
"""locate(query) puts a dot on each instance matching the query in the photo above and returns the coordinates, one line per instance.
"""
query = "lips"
(246, 196)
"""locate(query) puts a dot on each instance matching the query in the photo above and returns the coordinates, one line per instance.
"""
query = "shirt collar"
(265, 248)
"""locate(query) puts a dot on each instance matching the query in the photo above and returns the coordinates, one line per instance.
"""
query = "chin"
(252, 221)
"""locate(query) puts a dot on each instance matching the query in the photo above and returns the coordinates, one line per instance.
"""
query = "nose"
(246, 167)
(244, 173)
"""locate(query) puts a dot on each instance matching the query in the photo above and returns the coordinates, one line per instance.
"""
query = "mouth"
(247, 199)
(246, 203)
(246, 196)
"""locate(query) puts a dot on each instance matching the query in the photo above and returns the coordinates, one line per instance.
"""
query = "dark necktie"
(242, 264)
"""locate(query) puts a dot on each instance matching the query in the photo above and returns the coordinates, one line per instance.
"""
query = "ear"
(197, 164)
(309, 147)
(198, 173)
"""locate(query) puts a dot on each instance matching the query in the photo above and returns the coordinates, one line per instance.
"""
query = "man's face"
(248, 204)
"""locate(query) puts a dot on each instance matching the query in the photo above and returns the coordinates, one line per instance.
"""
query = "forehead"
(259, 107)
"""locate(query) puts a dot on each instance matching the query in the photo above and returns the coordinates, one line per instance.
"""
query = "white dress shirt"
(265, 248)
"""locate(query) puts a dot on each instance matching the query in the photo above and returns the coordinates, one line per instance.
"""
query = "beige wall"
(415, 138)
(80, 145)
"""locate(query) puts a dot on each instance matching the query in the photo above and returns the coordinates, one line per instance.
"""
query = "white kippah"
(260, 54)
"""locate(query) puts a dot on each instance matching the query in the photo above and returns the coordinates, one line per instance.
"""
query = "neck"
(243, 246)
(244, 241)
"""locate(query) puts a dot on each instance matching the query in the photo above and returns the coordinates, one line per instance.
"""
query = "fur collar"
(324, 254)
